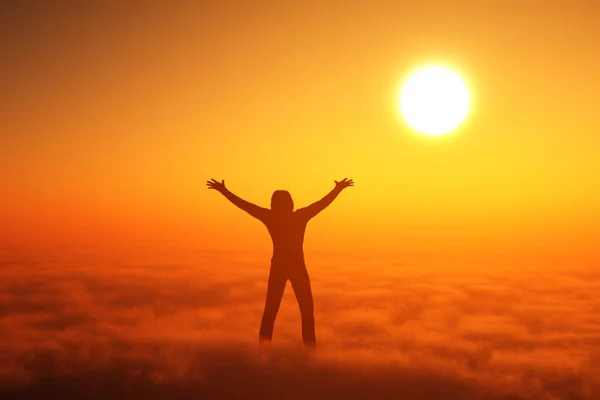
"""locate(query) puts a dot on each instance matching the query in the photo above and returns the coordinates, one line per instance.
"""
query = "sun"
(434, 100)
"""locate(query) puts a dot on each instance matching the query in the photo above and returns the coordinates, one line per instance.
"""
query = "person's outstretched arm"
(320, 205)
(252, 209)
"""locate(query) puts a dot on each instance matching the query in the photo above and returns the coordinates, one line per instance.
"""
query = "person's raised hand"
(216, 185)
(343, 184)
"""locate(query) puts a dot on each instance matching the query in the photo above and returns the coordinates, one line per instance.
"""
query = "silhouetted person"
(286, 228)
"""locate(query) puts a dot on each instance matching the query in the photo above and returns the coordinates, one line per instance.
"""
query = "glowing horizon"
(120, 142)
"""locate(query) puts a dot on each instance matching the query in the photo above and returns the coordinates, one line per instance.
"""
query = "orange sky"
(114, 118)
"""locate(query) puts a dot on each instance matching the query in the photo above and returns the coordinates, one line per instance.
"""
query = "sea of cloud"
(89, 325)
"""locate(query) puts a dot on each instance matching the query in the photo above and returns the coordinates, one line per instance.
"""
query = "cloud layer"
(154, 327)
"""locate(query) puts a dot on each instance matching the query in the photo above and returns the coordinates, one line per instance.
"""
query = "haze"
(466, 263)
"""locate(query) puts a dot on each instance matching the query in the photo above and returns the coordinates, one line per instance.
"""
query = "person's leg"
(275, 288)
(301, 285)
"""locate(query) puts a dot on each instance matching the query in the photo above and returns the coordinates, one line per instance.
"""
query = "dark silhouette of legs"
(301, 285)
(298, 276)
(277, 280)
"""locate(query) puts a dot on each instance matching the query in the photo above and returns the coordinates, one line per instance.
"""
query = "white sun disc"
(434, 100)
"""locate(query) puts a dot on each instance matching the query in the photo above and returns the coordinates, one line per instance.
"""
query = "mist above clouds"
(154, 327)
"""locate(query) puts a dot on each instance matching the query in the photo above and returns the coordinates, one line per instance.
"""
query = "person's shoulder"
(266, 212)
(300, 213)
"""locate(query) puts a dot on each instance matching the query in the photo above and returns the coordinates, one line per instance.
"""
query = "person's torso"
(287, 233)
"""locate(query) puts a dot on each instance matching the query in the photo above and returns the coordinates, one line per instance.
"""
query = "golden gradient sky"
(114, 116)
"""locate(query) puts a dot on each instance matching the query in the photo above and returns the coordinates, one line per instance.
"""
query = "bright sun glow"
(434, 100)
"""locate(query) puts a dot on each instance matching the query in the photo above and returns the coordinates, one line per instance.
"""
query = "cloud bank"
(153, 328)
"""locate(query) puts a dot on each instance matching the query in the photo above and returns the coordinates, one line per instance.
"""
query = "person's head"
(281, 201)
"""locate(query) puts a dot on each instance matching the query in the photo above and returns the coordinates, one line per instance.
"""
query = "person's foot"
(311, 349)
(264, 341)
(265, 348)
